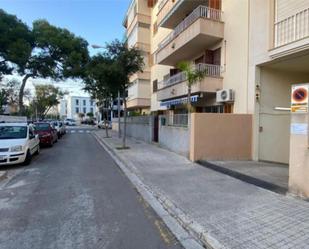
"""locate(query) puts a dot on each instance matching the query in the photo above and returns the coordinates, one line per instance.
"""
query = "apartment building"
(71, 106)
(137, 23)
(278, 59)
(253, 52)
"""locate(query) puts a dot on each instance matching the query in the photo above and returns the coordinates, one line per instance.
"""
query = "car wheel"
(38, 150)
(28, 158)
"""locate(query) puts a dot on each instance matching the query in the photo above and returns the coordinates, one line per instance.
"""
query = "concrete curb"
(3, 175)
(189, 233)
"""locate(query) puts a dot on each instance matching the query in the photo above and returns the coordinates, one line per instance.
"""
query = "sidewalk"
(223, 211)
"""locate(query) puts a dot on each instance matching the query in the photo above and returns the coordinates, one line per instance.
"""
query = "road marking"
(72, 131)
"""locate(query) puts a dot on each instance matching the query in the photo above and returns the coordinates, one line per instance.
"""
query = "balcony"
(138, 103)
(142, 46)
(145, 75)
(171, 12)
(201, 29)
(139, 18)
(176, 85)
(291, 35)
(139, 94)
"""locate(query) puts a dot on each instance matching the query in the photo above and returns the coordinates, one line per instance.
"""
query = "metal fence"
(293, 28)
(138, 120)
(177, 120)
(199, 12)
(209, 69)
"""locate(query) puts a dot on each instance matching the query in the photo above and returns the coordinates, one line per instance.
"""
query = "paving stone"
(238, 215)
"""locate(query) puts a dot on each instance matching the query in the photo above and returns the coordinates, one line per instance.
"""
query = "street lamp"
(95, 46)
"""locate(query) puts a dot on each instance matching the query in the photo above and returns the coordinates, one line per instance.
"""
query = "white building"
(71, 106)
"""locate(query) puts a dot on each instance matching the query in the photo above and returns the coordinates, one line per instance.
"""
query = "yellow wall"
(157, 71)
(235, 16)
(229, 136)
(299, 160)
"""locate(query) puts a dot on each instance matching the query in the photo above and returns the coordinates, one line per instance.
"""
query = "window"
(77, 110)
(91, 102)
(155, 86)
(76, 101)
(91, 110)
(84, 110)
(84, 102)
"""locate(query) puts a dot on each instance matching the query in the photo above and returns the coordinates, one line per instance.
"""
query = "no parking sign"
(300, 98)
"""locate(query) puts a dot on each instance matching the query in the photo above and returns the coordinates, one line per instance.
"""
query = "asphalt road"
(74, 196)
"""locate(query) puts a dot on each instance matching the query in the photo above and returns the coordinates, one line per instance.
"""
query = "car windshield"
(13, 132)
(55, 123)
(42, 127)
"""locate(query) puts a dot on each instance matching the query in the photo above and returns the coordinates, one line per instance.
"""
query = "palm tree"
(193, 75)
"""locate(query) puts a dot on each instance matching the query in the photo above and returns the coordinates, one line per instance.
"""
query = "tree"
(81, 115)
(101, 83)
(126, 62)
(10, 92)
(193, 75)
(3, 100)
(46, 97)
(90, 114)
(16, 43)
(45, 51)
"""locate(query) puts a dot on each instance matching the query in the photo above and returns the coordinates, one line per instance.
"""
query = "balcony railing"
(161, 4)
(199, 12)
(210, 70)
(292, 28)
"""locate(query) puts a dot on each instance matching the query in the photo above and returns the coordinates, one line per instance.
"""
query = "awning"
(179, 101)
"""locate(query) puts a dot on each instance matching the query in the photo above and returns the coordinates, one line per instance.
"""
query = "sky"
(97, 21)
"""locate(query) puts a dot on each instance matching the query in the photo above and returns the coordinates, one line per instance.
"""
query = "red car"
(47, 133)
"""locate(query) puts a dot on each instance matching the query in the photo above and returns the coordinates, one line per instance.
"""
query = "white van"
(18, 143)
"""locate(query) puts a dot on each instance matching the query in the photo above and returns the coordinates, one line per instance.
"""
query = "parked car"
(60, 127)
(101, 125)
(18, 143)
(47, 133)
(69, 122)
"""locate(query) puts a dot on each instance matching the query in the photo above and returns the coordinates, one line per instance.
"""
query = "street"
(74, 196)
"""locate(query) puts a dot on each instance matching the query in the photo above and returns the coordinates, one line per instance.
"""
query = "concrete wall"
(136, 129)
(299, 159)
(175, 139)
(221, 136)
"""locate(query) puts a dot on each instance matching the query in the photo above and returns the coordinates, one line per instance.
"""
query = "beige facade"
(137, 23)
(278, 58)
(256, 48)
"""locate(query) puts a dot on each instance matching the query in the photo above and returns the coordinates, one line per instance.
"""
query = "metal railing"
(177, 120)
(161, 4)
(210, 70)
(292, 28)
(199, 12)
(138, 120)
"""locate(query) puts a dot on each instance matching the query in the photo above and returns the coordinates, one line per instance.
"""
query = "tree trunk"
(189, 105)
(118, 107)
(21, 94)
(106, 122)
(124, 122)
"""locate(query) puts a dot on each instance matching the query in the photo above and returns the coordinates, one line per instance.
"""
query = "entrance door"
(156, 129)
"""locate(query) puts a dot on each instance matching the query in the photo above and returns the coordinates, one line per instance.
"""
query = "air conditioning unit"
(225, 95)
